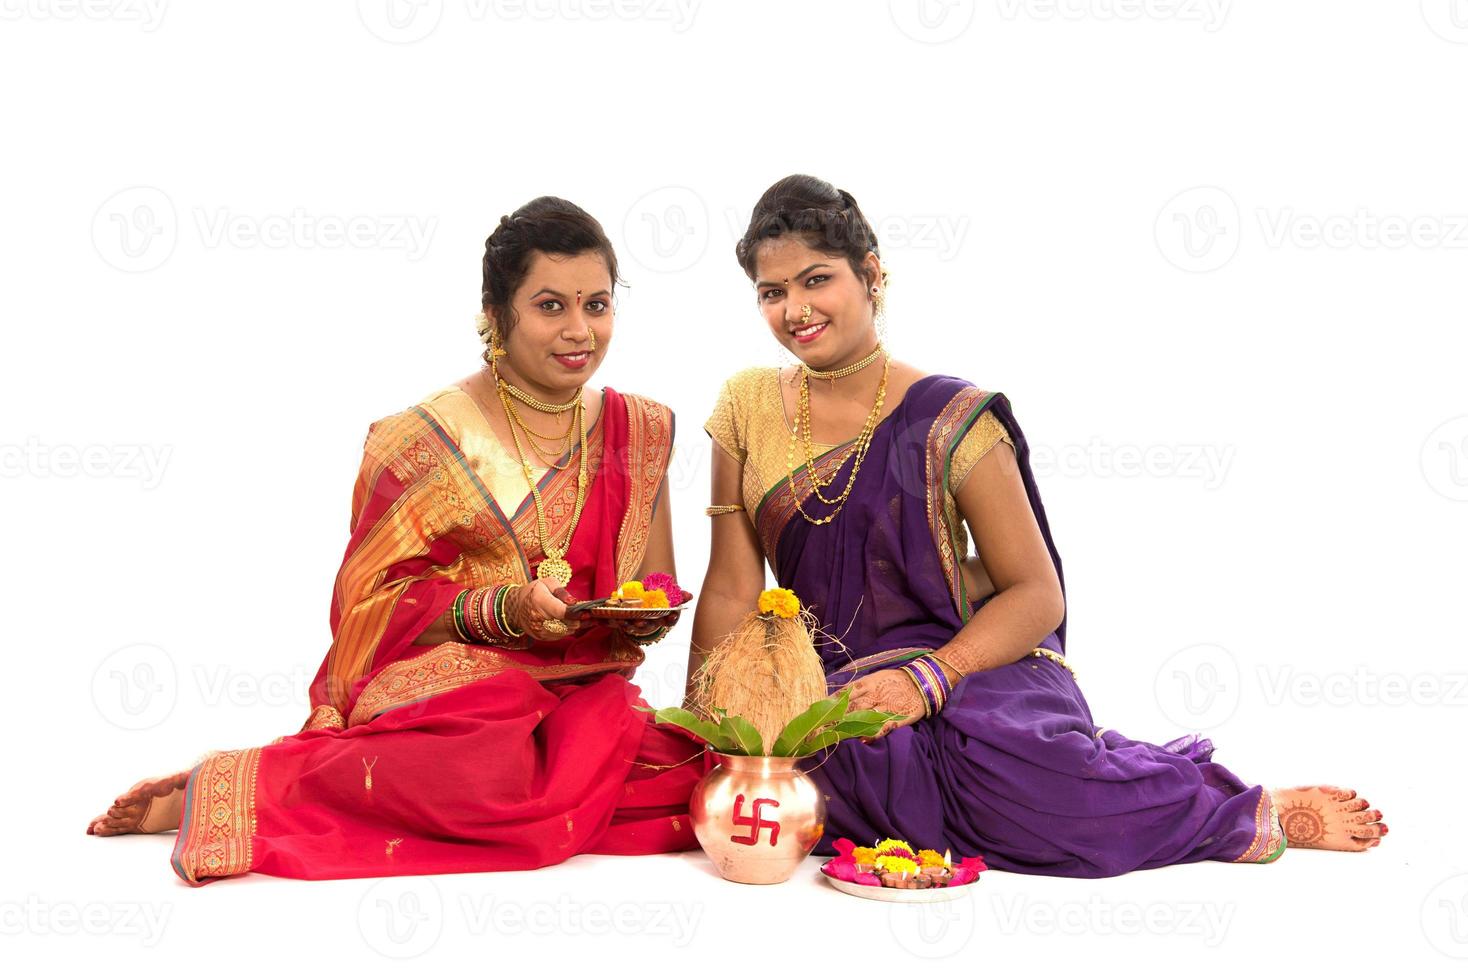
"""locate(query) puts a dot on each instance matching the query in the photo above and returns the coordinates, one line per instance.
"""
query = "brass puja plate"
(607, 608)
(911, 896)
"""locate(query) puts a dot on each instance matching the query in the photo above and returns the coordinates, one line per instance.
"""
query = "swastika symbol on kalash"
(754, 821)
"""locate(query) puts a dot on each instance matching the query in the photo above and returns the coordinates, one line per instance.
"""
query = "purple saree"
(1014, 767)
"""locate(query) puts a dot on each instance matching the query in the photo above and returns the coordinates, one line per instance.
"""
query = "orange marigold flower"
(781, 602)
(930, 858)
(864, 855)
(629, 590)
(656, 599)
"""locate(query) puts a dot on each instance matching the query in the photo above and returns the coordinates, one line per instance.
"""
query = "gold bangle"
(718, 509)
(960, 674)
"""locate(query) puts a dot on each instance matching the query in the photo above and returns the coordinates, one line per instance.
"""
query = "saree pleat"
(460, 758)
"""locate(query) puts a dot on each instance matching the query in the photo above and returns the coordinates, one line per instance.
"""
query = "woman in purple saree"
(1010, 765)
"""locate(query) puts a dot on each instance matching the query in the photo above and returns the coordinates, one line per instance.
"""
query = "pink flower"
(868, 879)
(665, 582)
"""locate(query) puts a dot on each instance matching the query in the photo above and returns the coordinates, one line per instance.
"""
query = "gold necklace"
(554, 566)
(859, 450)
(848, 370)
(547, 456)
(535, 403)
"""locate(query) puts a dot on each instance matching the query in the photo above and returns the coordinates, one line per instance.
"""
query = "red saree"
(459, 758)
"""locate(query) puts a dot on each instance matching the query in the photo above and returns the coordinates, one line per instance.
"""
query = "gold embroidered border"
(778, 508)
(649, 445)
(1268, 843)
(949, 425)
(218, 828)
(448, 667)
(323, 716)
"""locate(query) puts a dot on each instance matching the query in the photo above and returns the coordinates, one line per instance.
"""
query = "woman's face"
(561, 302)
(789, 274)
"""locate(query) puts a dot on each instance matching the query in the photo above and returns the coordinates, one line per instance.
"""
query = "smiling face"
(561, 300)
(790, 274)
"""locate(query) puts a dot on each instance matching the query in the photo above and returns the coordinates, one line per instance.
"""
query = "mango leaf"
(817, 716)
(743, 734)
(816, 742)
(861, 724)
(700, 728)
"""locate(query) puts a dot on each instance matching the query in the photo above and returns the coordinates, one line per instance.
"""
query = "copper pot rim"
(758, 763)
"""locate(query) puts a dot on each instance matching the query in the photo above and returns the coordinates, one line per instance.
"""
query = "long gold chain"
(859, 449)
(548, 457)
(554, 565)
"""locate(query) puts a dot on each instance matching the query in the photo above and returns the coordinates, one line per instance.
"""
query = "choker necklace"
(847, 371)
(536, 403)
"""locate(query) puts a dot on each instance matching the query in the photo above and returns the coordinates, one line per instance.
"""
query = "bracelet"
(718, 509)
(958, 673)
(501, 612)
(650, 638)
(460, 627)
(931, 683)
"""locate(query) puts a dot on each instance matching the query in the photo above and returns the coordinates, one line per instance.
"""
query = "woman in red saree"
(426, 754)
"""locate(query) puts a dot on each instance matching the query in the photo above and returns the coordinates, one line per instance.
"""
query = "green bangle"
(458, 608)
(648, 639)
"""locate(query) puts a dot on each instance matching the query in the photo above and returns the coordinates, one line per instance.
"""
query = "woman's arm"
(1029, 603)
(659, 554)
(736, 572)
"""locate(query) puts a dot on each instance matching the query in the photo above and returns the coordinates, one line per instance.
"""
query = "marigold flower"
(893, 844)
(781, 602)
(629, 590)
(655, 599)
(899, 865)
(929, 858)
(864, 855)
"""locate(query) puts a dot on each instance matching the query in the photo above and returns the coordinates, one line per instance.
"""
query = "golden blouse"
(750, 424)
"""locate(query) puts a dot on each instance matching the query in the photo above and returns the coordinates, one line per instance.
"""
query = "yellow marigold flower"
(656, 599)
(893, 844)
(630, 590)
(781, 602)
(929, 858)
(889, 862)
(864, 855)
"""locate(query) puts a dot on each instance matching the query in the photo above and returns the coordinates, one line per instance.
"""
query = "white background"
(1212, 251)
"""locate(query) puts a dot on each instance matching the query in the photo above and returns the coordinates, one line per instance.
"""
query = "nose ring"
(805, 313)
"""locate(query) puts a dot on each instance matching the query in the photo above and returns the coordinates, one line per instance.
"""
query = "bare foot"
(150, 807)
(1328, 817)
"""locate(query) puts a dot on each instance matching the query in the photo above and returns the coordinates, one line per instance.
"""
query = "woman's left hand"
(888, 690)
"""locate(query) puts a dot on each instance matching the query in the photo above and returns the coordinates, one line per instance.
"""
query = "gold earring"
(492, 349)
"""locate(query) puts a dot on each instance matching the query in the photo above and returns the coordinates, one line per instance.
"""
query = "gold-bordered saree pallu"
(458, 758)
(1013, 768)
